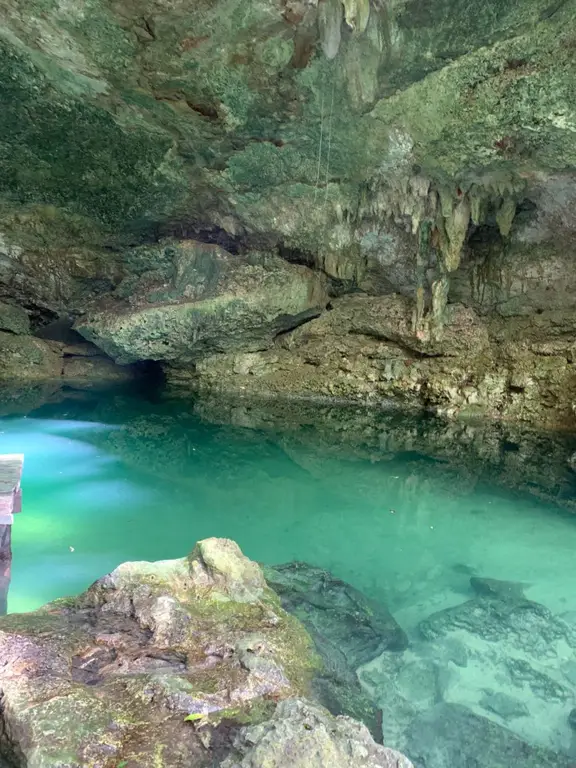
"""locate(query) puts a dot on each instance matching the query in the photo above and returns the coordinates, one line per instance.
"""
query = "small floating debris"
(71, 549)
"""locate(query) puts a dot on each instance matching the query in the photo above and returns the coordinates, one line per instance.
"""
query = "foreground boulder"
(305, 736)
(112, 675)
(161, 664)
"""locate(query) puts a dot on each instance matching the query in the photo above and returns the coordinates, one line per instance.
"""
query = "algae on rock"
(112, 675)
(383, 145)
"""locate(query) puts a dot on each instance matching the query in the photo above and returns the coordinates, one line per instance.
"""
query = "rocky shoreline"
(255, 325)
(176, 663)
(212, 661)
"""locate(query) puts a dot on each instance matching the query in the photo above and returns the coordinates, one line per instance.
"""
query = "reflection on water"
(424, 517)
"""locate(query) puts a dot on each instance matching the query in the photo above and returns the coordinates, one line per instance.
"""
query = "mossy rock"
(137, 667)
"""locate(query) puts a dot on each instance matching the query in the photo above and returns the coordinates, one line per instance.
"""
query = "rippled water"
(406, 509)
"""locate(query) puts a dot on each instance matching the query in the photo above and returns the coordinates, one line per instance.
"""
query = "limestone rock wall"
(313, 150)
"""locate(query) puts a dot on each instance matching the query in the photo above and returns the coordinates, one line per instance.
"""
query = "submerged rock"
(487, 684)
(347, 629)
(504, 590)
(336, 612)
(449, 735)
(302, 735)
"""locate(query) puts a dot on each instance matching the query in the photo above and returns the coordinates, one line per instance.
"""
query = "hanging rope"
(329, 142)
(319, 148)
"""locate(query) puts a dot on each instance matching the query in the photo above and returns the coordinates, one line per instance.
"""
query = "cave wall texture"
(357, 199)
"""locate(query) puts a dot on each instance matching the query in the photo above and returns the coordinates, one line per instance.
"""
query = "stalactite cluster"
(331, 15)
(441, 218)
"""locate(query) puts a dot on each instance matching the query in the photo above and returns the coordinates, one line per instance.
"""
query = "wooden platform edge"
(11, 467)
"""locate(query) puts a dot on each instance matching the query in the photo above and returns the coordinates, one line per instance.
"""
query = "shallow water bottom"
(406, 509)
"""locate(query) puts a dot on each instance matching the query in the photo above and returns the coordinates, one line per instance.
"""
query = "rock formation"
(347, 630)
(489, 682)
(304, 736)
(188, 184)
(175, 663)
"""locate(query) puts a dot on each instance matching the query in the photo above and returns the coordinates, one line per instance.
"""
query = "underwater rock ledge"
(176, 663)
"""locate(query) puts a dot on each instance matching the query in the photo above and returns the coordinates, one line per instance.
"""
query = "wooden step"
(11, 465)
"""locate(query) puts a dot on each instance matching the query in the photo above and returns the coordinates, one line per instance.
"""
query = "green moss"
(275, 53)
(61, 151)
(430, 35)
(506, 107)
(265, 165)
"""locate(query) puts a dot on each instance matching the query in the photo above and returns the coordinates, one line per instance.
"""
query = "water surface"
(405, 508)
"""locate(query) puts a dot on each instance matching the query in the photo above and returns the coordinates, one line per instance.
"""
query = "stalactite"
(357, 14)
(440, 288)
(440, 217)
(505, 215)
(456, 224)
(330, 17)
(331, 14)
(477, 197)
(422, 264)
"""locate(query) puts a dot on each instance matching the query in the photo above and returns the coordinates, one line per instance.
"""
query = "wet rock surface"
(347, 629)
(300, 735)
(173, 663)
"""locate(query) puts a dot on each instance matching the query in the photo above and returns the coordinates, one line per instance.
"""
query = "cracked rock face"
(112, 675)
(197, 300)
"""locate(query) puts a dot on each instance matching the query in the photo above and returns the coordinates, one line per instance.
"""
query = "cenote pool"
(417, 514)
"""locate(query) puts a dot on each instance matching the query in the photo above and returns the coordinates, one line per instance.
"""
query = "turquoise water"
(136, 480)
(404, 508)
